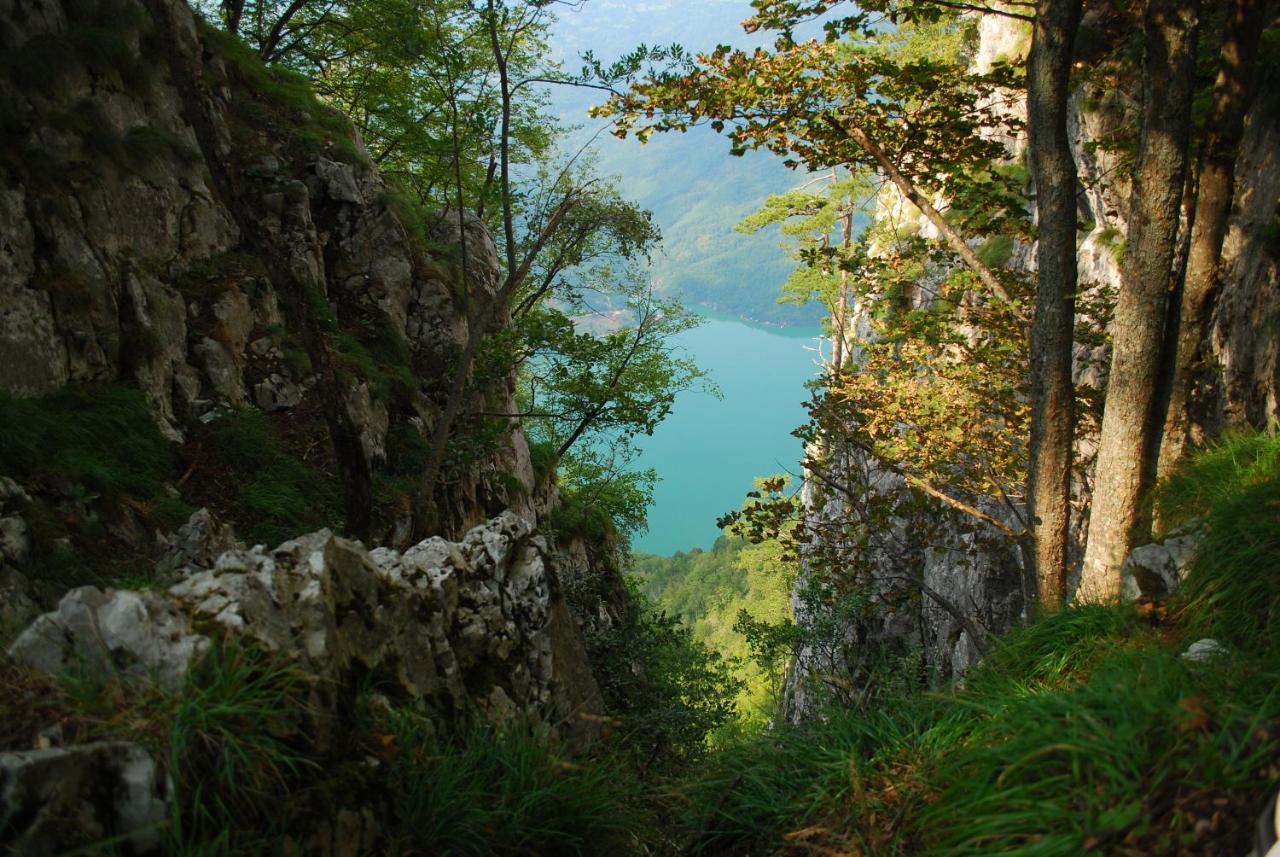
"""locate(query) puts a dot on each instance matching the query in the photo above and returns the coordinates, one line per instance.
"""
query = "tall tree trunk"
(1213, 206)
(1052, 393)
(1125, 469)
(842, 306)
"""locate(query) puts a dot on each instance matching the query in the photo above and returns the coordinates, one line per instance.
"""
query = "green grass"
(101, 436)
(234, 741)
(503, 792)
(1234, 489)
(92, 456)
(1085, 732)
(277, 494)
(232, 750)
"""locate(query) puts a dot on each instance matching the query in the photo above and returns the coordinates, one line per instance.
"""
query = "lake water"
(708, 450)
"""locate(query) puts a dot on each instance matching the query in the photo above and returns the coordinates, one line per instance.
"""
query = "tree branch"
(912, 193)
(925, 487)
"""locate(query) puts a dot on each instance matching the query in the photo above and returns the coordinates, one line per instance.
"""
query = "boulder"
(55, 799)
(112, 632)
(1204, 650)
(1158, 569)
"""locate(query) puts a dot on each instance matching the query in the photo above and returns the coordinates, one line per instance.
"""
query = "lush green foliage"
(728, 596)
(504, 791)
(667, 689)
(231, 739)
(250, 767)
(599, 499)
(1085, 730)
(923, 411)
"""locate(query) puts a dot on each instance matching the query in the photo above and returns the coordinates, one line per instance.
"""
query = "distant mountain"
(697, 191)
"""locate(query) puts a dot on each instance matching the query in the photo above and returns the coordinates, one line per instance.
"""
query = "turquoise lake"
(708, 450)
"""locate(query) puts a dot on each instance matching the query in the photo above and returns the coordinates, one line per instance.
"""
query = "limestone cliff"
(214, 309)
(969, 579)
(178, 218)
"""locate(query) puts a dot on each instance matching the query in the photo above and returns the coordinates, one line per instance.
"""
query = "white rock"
(1204, 650)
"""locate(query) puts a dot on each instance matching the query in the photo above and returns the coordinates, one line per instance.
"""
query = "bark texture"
(1125, 467)
(1052, 394)
(1213, 208)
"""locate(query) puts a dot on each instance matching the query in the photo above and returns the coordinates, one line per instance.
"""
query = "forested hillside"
(691, 188)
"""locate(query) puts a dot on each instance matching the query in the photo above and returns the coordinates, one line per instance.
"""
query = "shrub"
(668, 689)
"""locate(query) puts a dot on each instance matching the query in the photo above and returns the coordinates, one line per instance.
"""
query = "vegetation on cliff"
(447, 378)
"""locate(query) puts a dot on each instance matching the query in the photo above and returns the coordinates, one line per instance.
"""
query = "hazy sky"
(612, 27)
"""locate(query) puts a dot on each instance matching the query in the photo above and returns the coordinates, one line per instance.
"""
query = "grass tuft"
(1234, 488)
(271, 492)
(232, 752)
(502, 791)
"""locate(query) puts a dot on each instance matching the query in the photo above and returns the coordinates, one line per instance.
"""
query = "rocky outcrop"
(459, 632)
(455, 629)
(158, 232)
(171, 225)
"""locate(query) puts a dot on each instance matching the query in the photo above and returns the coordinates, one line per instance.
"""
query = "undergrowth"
(270, 490)
(1234, 489)
(102, 437)
(274, 103)
(247, 771)
(504, 791)
(99, 469)
(1085, 732)
(228, 741)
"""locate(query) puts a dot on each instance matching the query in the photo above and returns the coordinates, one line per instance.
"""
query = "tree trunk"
(1213, 206)
(842, 306)
(1052, 393)
(1124, 468)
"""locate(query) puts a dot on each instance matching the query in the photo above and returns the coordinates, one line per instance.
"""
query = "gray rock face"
(1158, 569)
(455, 627)
(1242, 337)
(62, 798)
(960, 568)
